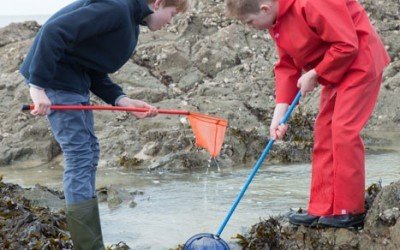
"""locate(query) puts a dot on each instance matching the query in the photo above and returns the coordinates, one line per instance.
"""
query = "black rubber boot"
(84, 225)
(304, 219)
(342, 221)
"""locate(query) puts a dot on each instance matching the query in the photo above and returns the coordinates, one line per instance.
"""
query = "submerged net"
(205, 241)
(209, 131)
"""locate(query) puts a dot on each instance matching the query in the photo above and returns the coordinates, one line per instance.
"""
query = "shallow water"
(174, 207)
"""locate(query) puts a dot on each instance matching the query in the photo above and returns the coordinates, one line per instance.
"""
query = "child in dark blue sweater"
(71, 56)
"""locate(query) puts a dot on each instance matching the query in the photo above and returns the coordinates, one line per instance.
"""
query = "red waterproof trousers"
(338, 172)
(336, 38)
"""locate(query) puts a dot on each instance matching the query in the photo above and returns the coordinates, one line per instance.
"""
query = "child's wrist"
(35, 86)
(122, 101)
(314, 73)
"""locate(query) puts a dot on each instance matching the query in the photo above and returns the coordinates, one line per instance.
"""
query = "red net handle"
(111, 108)
(209, 131)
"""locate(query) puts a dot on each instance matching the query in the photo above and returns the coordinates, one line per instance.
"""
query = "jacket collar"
(284, 6)
(140, 10)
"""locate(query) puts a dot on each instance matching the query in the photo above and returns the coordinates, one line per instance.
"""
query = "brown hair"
(239, 8)
(181, 5)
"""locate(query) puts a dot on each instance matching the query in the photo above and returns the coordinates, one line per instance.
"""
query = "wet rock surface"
(115, 197)
(24, 225)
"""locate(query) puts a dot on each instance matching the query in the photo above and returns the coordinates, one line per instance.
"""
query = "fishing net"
(205, 241)
(209, 131)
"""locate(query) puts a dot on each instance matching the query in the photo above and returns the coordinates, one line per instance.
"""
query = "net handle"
(216, 120)
(26, 107)
(257, 165)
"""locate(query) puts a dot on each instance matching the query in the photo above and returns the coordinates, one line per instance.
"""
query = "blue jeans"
(74, 131)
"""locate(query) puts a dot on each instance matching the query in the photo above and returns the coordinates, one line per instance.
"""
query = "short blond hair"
(240, 8)
(181, 5)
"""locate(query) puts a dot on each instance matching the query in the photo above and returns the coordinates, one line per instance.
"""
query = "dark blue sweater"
(83, 42)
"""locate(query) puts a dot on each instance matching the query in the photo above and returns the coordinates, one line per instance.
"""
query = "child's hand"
(40, 100)
(307, 82)
(278, 131)
(128, 102)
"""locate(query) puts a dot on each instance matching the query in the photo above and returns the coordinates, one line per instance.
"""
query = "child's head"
(164, 11)
(259, 14)
(181, 5)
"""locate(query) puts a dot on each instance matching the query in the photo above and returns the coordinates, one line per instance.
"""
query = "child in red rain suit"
(335, 45)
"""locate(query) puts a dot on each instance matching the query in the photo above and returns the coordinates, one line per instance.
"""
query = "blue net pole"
(257, 165)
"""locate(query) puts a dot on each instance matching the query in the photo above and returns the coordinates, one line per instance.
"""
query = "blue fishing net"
(205, 241)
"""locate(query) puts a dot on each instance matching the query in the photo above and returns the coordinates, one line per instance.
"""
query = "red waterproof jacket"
(333, 36)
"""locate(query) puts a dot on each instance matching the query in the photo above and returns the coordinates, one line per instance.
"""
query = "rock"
(113, 198)
(395, 234)
(345, 239)
(17, 32)
(132, 204)
(390, 216)
(388, 199)
(24, 225)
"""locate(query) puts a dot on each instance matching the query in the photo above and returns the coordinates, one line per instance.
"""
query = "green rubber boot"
(84, 225)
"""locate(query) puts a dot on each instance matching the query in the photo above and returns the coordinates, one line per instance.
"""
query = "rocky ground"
(208, 63)
(26, 225)
(203, 62)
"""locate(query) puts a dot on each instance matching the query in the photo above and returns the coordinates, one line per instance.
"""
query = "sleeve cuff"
(118, 98)
(35, 86)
